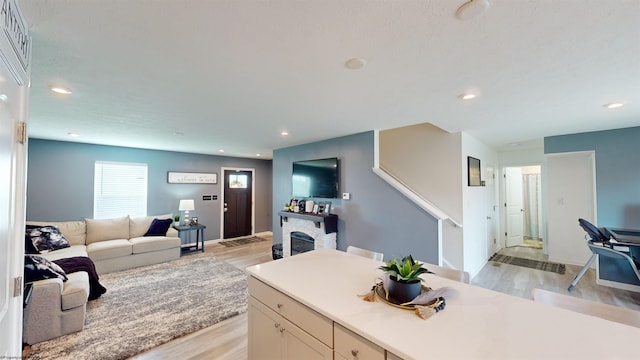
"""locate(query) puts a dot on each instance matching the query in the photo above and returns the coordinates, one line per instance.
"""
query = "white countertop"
(476, 324)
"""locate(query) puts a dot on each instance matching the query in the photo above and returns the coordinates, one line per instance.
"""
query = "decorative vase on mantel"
(403, 291)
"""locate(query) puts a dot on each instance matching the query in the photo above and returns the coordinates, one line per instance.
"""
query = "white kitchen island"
(308, 303)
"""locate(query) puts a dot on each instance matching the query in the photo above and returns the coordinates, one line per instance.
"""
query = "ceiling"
(200, 76)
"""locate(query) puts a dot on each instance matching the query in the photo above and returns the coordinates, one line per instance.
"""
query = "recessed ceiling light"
(221, 150)
(178, 133)
(355, 63)
(60, 90)
(467, 96)
(514, 144)
(284, 133)
(72, 134)
(613, 105)
(258, 155)
(472, 9)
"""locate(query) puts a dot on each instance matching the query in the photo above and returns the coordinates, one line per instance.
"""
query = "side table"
(189, 246)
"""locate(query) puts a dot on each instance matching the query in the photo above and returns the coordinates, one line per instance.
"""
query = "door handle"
(225, 209)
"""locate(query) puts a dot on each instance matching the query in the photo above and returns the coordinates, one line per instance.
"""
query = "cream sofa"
(57, 308)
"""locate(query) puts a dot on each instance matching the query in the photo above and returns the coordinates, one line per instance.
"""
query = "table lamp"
(186, 206)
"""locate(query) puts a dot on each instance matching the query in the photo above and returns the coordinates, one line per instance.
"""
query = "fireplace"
(305, 232)
(301, 242)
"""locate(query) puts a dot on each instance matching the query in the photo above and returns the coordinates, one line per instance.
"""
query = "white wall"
(424, 157)
(478, 201)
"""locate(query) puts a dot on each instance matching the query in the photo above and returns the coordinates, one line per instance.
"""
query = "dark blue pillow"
(47, 238)
(159, 227)
(38, 268)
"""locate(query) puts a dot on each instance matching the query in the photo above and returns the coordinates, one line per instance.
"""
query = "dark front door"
(237, 203)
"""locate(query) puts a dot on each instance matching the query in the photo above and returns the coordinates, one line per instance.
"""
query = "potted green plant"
(404, 278)
(176, 218)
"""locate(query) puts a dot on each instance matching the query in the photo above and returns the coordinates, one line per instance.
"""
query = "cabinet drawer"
(352, 346)
(307, 319)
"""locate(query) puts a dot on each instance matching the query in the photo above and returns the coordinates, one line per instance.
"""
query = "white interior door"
(491, 215)
(515, 211)
(12, 199)
(571, 195)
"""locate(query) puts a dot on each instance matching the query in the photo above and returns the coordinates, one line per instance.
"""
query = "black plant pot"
(404, 292)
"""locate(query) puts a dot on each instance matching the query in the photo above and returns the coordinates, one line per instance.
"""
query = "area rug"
(151, 305)
(533, 264)
(238, 242)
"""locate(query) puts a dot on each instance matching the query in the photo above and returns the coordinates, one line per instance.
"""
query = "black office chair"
(599, 242)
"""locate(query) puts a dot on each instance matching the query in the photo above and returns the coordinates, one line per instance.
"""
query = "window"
(119, 189)
(238, 181)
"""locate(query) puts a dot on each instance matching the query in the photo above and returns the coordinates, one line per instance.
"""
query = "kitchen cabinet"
(271, 336)
(281, 328)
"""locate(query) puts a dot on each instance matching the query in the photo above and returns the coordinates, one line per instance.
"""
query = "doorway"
(523, 206)
(237, 203)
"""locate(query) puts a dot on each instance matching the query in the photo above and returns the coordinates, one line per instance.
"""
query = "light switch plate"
(346, 196)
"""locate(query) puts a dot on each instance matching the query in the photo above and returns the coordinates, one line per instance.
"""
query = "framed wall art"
(177, 177)
(473, 171)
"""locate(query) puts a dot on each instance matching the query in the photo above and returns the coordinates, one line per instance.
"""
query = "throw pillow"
(28, 245)
(47, 238)
(38, 268)
(159, 227)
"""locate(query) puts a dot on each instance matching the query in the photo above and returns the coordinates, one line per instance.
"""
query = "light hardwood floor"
(228, 339)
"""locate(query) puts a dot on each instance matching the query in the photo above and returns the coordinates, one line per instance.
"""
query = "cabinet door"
(300, 345)
(265, 338)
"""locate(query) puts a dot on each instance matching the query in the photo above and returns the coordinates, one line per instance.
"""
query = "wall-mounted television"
(317, 178)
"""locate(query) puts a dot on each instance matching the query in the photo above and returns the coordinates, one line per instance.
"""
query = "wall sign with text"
(175, 177)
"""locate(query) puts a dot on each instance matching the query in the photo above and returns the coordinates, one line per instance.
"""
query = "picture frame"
(327, 208)
(474, 177)
(194, 221)
(179, 177)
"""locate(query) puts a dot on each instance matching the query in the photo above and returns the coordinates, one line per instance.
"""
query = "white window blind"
(119, 189)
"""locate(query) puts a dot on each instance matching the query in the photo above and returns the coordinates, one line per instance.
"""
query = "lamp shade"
(186, 205)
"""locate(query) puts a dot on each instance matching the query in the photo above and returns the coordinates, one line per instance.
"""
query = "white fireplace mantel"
(313, 225)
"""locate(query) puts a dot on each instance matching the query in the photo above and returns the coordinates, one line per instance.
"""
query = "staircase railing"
(414, 196)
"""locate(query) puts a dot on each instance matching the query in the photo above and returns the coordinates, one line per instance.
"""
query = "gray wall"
(60, 182)
(617, 171)
(377, 217)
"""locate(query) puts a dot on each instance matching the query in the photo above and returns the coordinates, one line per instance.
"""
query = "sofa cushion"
(107, 229)
(76, 290)
(159, 227)
(38, 268)
(74, 231)
(139, 226)
(75, 250)
(46, 238)
(109, 249)
(154, 243)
